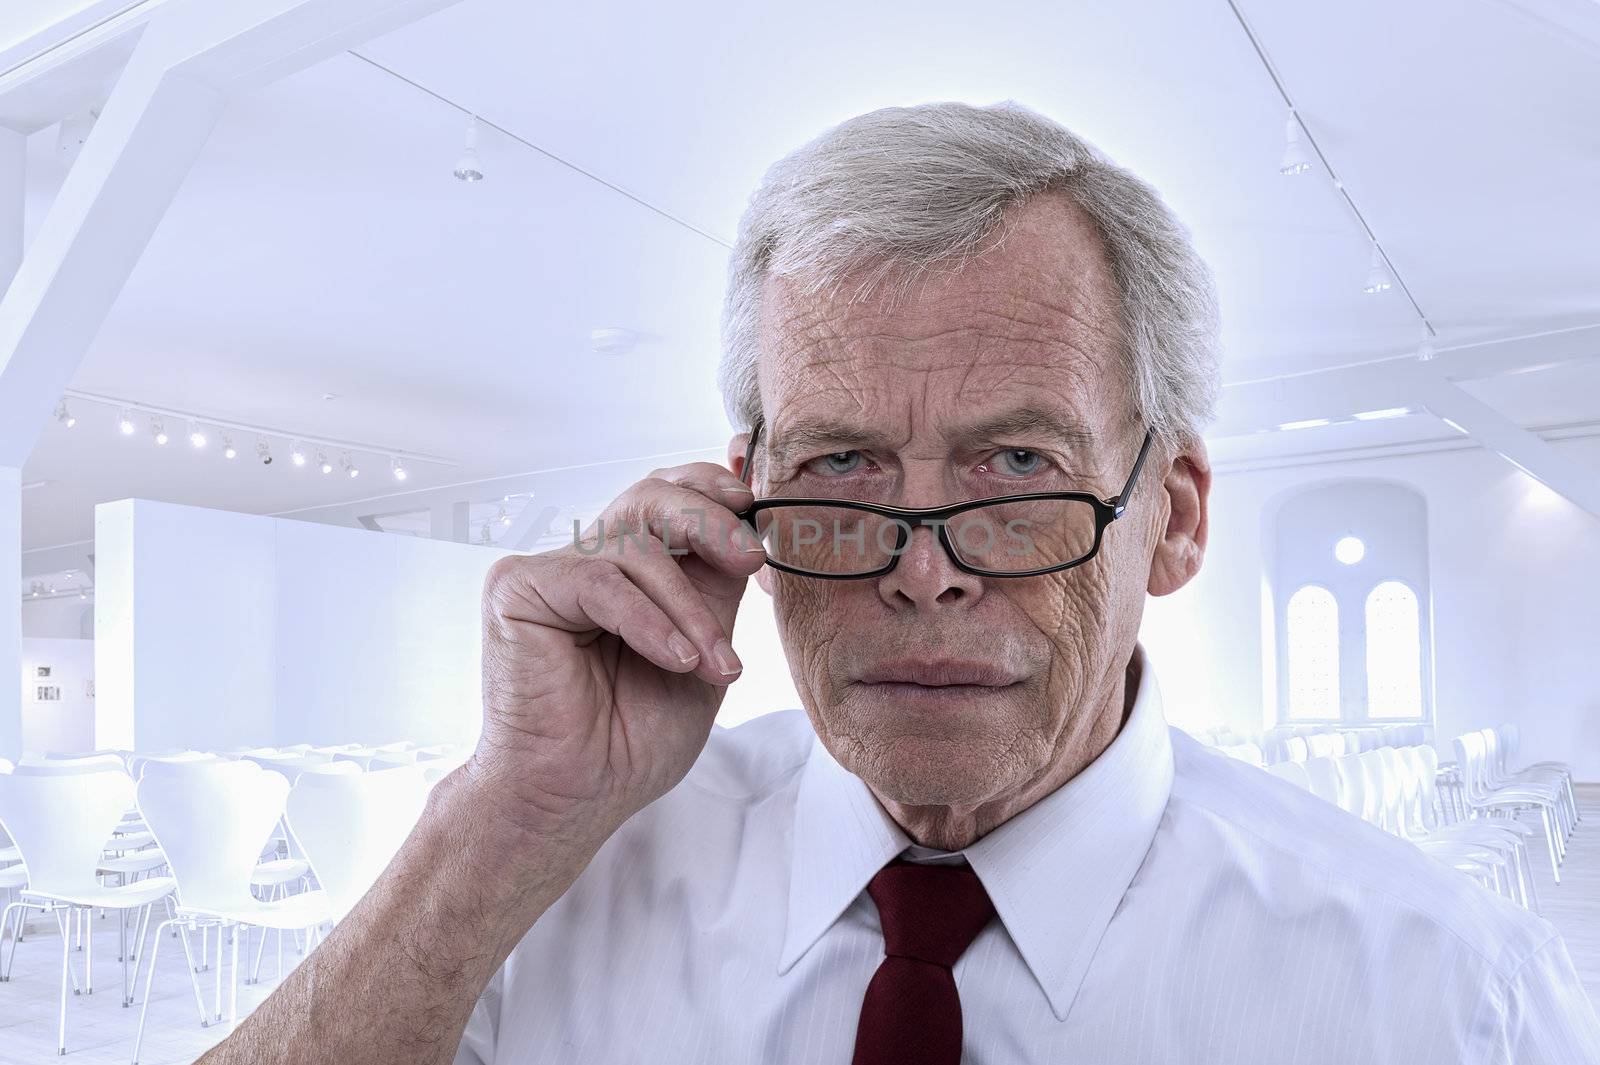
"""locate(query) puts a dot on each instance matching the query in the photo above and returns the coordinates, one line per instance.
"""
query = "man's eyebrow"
(1031, 422)
(823, 436)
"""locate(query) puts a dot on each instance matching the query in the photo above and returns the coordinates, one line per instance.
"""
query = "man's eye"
(838, 462)
(1019, 461)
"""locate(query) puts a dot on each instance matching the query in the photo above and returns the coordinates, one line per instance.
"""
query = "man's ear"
(1182, 543)
(736, 449)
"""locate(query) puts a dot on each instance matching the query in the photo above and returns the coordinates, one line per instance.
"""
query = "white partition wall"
(216, 629)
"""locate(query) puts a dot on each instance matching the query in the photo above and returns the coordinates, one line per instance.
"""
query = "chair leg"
(194, 982)
(22, 913)
(150, 979)
(66, 948)
(233, 990)
(1550, 841)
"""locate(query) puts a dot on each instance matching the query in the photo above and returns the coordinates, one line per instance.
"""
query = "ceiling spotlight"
(1296, 160)
(228, 450)
(196, 437)
(157, 431)
(1425, 350)
(82, 594)
(323, 464)
(34, 590)
(398, 468)
(125, 422)
(297, 453)
(350, 468)
(503, 518)
(1378, 279)
(469, 167)
(264, 452)
(64, 416)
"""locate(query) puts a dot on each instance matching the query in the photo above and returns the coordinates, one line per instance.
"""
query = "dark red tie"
(930, 915)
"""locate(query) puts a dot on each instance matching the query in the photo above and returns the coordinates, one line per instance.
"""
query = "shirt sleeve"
(478, 1040)
(1548, 1018)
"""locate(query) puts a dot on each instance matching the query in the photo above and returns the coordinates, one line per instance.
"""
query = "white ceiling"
(321, 246)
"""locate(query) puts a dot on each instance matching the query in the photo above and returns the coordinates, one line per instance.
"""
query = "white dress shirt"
(1167, 904)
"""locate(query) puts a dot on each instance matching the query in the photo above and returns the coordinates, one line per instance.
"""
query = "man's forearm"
(397, 979)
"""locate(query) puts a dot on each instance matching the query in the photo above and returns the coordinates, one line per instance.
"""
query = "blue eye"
(839, 462)
(1021, 461)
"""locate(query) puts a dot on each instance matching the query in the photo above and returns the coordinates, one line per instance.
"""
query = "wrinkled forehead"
(1032, 322)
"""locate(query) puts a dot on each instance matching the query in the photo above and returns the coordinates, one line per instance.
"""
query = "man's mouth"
(939, 676)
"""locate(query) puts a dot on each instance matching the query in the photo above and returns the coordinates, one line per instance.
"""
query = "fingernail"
(682, 648)
(727, 662)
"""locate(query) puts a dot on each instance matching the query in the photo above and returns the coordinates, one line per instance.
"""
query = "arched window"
(1313, 649)
(1394, 652)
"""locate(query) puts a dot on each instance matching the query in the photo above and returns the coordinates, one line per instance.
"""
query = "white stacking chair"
(1471, 756)
(1552, 775)
(1510, 737)
(351, 826)
(1294, 772)
(1296, 749)
(1324, 780)
(213, 819)
(60, 817)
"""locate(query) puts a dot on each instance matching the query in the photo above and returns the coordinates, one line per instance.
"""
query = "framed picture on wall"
(47, 693)
(41, 671)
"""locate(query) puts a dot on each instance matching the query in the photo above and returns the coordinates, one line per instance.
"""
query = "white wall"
(217, 629)
(67, 724)
(1516, 603)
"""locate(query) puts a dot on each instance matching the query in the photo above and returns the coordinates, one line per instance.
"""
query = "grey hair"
(900, 190)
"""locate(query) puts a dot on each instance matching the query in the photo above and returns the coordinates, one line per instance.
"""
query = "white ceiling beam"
(1537, 458)
(13, 202)
(1339, 392)
(192, 57)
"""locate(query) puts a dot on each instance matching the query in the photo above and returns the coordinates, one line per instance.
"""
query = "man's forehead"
(1036, 312)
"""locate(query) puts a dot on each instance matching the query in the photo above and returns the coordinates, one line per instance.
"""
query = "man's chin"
(934, 766)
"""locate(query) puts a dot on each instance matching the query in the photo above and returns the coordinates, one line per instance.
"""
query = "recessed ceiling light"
(1308, 423)
(612, 340)
(1386, 412)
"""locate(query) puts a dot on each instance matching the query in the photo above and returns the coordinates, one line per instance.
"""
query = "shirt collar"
(1055, 872)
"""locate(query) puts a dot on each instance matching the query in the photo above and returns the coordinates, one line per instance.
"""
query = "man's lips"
(938, 673)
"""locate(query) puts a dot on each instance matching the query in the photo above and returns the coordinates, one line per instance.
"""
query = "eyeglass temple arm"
(1120, 500)
(750, 454)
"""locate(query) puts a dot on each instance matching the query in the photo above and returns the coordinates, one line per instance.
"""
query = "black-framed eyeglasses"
(1023, 535)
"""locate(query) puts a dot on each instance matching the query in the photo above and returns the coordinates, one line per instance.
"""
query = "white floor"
(100, 1030)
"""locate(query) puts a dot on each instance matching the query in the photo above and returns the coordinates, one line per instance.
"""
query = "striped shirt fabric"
(1167, 904)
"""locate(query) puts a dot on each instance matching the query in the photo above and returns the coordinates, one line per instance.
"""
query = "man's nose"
(927, 578)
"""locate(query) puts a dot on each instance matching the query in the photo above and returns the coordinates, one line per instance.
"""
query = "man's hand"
(603, 667)
(604, 662)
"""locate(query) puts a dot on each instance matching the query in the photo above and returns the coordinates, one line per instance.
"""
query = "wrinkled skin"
(1028, 323)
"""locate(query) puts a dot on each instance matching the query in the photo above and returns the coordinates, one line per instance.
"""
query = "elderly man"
(972, 360)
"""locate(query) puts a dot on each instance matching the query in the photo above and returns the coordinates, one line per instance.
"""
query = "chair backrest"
(137, 763)
(1293, 772)
(1510, 743)
(291, 766)
(1324, 779)
(6, 765)
(361, 759)
(1354, 795)
(78, 761)
(212, 819)
(390, 759)
(350, 826)
(1295, 747)
(59, 818)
